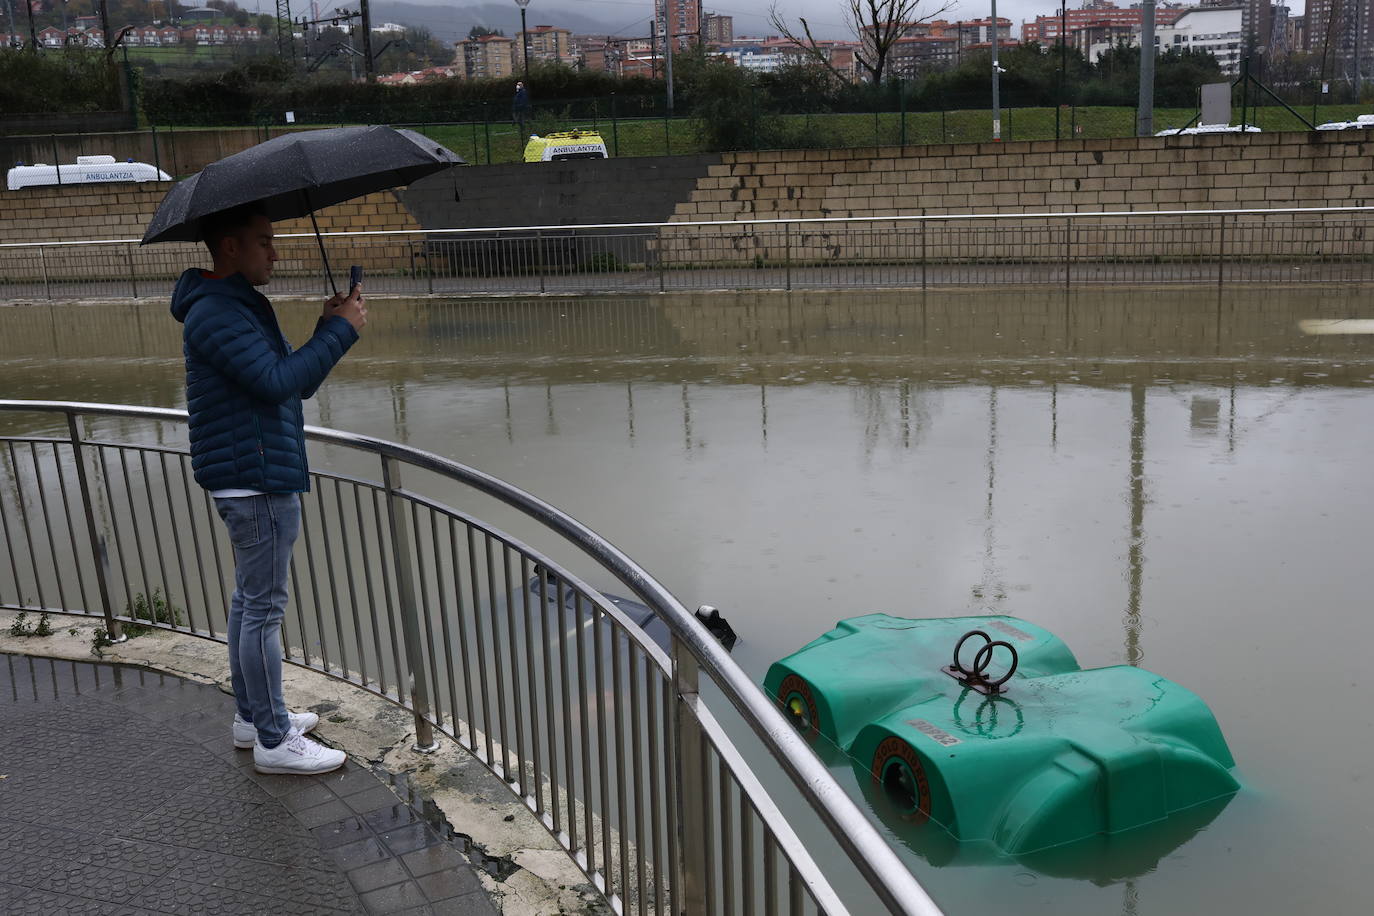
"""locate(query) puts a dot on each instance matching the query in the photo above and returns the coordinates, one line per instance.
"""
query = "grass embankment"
(499, 142)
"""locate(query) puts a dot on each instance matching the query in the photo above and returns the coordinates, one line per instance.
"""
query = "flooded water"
(1170, 478)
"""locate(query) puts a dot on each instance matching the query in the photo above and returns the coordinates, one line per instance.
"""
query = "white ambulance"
(86, 170)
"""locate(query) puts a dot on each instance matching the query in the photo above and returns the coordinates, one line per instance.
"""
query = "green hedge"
(73, 80)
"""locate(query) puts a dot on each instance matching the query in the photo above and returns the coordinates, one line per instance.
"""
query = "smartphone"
(355, 278)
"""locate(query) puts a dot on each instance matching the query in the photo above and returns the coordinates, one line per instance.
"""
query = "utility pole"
(1358, 82)
(996, 82)
(369, 65)
(1145, 106)
(286, 41)
(668, 67)
(33, 32)
(653, 49)
(1063, 61)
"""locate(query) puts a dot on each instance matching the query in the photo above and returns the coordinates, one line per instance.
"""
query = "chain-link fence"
(488, 133)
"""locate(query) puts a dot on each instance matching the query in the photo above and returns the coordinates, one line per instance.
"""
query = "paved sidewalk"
(121, 793)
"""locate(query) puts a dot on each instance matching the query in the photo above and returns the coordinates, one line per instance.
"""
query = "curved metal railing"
(493, 641)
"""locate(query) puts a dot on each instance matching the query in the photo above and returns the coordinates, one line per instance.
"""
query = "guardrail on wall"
(1330, 244)
(482, 636)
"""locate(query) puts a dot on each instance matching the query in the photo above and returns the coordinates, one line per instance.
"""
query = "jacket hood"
(194, 286)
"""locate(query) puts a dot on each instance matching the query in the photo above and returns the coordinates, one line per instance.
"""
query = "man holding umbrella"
(245, 385)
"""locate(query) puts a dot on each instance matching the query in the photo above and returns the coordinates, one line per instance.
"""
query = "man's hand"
(349, 307)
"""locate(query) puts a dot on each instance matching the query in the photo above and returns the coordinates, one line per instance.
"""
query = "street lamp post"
(524, 35)
(996, 82)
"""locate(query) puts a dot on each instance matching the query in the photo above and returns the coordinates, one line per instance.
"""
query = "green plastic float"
(988, 727)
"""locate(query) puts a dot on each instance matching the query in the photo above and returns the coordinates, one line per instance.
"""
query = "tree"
(481, 31)
(878, 24)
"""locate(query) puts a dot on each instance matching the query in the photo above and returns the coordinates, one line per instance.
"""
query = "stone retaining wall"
(1195, 173)
(107, 211)
(1200, 173)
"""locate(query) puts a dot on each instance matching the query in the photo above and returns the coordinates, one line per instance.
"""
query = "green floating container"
(1056, 755)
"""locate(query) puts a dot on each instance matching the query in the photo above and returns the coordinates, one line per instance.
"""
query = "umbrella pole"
(323, 257)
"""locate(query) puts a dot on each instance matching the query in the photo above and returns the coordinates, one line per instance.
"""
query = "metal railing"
(1197, 247)
(498, 644)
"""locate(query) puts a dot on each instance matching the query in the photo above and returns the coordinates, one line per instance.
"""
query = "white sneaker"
(245, 735)
(297, 755)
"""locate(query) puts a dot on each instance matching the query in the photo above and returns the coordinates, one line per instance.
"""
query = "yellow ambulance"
(569, 144)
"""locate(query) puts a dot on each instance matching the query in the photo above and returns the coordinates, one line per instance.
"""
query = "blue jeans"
(262, 530)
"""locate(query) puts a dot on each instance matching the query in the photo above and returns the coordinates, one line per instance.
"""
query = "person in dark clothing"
(244, 387)
(520, 108)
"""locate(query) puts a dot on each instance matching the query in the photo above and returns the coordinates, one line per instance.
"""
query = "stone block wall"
(1137, 173)
(1191, 173)
(73, 213)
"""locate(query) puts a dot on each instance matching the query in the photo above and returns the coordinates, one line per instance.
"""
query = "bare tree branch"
(810, 46)
(877, 24)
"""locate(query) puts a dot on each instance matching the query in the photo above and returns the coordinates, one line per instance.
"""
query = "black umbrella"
(296, 174)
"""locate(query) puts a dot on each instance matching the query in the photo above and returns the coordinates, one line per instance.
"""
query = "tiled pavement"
(121, 793)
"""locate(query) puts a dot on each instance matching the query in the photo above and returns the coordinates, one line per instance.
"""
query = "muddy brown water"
(1173, 478)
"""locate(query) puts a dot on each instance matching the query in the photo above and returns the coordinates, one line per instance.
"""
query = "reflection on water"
(1170, 478)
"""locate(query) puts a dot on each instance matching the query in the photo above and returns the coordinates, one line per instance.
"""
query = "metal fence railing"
(486, 133)
(503, 646)
(1196, 247)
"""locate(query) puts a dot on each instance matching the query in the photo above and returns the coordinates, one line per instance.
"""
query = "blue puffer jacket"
(244, 384)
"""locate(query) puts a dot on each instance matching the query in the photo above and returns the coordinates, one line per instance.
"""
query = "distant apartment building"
(938, 43)
(1295, 33)
(680, 19)
(591, 51)
(1217, 30)
(1093, 23)
(773, 53)
(1336, 30)
(910, 57)
(619, 56)
(717, 29)
(488, 57)
(546, 43)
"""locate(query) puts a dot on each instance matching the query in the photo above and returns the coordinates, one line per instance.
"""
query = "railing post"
(410, 621)
(1068, 249)
(43, 265)
(129, 259)
(690, 798)
(662, 280)
(1221, 252)
(98, 553)
(923, 225)
(787, 252)
(539, 263)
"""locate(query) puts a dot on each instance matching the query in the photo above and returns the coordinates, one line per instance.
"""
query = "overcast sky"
(826, 16)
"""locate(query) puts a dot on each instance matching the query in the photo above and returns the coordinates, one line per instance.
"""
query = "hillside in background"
(451, 22)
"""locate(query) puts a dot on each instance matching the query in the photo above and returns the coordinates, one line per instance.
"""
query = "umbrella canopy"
(298, 173)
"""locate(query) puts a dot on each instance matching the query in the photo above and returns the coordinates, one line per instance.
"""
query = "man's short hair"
(216, 227)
